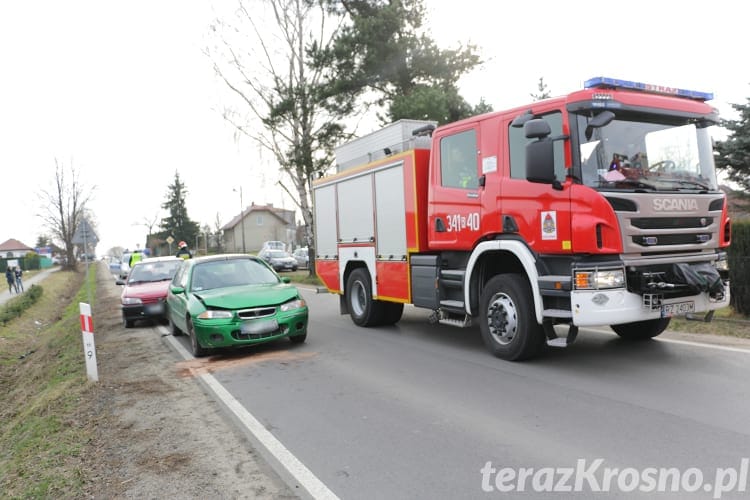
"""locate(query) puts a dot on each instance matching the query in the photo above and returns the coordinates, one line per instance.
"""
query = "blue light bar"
(601, 82)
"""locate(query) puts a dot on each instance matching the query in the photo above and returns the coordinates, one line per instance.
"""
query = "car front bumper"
(133, 312)
(234, 333)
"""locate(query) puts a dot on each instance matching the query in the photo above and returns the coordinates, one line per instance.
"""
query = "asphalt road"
(419, 410)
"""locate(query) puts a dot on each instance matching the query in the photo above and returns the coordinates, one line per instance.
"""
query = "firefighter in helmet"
(183, 251)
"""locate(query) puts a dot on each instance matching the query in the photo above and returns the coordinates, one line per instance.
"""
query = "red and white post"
(89, 349)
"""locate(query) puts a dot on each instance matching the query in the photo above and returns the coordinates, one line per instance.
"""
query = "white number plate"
(677, 309)
(155, 309)
(257, 326)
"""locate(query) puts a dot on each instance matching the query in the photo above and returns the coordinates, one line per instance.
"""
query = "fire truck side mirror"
(600, 120)
(540, 165)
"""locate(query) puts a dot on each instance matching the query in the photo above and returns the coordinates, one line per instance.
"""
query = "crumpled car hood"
(240, 297)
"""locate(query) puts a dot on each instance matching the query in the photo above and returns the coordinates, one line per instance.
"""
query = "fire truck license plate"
(669, 310)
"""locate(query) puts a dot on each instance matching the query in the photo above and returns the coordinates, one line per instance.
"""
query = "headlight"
(292, 305)
(598, 279)
(215, 314)
(130, 301)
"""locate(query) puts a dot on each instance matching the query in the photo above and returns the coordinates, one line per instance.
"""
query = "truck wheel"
(641, 330)
(363, 310)
(392, 312)
(507, 321)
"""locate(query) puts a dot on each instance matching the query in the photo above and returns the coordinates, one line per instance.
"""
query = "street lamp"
(242, 218)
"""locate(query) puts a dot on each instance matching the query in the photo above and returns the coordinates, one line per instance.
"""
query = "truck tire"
(641, 330)
(363, 310)
(507, 320)
(391, 312)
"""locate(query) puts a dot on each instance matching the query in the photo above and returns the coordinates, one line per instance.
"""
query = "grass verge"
(42, 383)
(725, 322)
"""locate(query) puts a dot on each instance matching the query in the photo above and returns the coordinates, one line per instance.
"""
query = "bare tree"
(218, 234)
(149, 224)
(283, 103)
(64, 206)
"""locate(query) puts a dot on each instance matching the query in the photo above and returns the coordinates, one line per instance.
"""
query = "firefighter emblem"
(549, 225)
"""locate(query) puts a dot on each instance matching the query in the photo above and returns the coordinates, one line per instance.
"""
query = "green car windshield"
(232, 272)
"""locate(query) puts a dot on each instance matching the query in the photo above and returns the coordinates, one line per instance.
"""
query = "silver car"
(302, 256)
(279, 260)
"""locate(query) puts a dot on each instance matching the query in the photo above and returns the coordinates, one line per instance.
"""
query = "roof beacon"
(601, 82)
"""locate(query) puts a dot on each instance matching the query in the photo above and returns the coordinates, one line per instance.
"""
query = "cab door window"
(458, 160)
(517, 141)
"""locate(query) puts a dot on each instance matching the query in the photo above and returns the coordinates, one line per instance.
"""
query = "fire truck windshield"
(632, 153)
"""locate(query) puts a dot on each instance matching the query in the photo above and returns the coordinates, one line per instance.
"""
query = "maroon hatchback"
(146, 289)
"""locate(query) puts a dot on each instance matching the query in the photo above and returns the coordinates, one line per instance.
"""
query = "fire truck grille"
(661, 240)
(672, 222)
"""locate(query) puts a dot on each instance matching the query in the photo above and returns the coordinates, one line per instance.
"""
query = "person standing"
(11, 277)
(19, 281)
(184, 252)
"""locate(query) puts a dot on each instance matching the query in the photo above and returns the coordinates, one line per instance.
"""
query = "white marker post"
(89, 350)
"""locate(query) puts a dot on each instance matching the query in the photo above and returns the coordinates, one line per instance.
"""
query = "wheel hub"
(502, 319)
(358, 298)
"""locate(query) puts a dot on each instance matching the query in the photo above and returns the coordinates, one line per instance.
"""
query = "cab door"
(540, 213)
(454, 210)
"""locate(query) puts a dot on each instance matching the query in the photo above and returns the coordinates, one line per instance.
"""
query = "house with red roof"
(12, 249)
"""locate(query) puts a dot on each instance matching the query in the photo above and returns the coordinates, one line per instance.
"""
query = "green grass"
(302, 277)
(725, 322)
(42, 383)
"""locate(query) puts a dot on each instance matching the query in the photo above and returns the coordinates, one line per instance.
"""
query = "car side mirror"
(286, 279)
(119, 281)
(176, 290)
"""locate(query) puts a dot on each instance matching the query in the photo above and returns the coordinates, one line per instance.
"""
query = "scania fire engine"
(600, 207)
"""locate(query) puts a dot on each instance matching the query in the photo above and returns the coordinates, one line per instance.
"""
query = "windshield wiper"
(688, 183)
(635, 183)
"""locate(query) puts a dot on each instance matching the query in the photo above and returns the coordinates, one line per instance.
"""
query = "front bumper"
(155, 310)
(229, 333)
(613, 307)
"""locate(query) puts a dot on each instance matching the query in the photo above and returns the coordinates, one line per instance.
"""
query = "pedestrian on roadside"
(11, 277)
(19, 281)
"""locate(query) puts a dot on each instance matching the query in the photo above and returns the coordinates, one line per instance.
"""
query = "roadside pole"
(89, 349)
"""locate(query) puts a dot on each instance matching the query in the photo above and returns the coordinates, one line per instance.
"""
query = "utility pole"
(242, 219)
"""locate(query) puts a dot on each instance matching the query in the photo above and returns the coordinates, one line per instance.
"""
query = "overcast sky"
(121, 91)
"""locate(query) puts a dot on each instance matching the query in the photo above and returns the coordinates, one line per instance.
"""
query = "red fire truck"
(600, 207)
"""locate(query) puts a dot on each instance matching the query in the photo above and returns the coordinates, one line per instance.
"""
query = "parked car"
(302, 256)
(234, 300)
(280, 260)
(146, 289)
(129, 259)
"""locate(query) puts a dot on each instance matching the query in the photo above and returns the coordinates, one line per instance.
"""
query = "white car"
(273, 245)
(302, 256)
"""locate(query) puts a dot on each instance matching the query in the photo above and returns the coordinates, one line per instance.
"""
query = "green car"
(233, 300)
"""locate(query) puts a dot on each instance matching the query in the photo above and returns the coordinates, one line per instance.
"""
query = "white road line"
(684, 342)
(307, 480)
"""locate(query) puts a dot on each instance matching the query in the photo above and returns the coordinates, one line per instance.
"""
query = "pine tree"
(733, 154)
(544, 92)
(178, 223)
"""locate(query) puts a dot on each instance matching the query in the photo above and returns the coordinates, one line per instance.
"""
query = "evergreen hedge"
(739, 267)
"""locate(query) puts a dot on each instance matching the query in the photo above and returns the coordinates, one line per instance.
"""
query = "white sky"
(121, 91)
